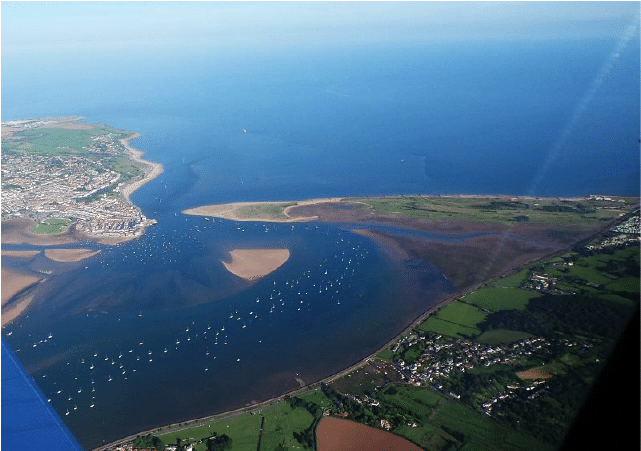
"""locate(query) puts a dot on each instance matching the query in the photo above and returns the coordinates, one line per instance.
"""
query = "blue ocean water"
(498, 117)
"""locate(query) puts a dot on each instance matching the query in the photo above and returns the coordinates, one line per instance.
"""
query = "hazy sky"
(61, 26)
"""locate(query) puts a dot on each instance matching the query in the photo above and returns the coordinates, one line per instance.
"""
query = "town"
(45, 178)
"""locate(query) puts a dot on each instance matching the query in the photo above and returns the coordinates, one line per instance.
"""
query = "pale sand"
(234, 210)
(155, 169)
(13, 282)
(15, 310)
(251, 264)
(69, 255)
(20, 254)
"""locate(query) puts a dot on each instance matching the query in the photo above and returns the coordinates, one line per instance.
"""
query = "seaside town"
(80, 183)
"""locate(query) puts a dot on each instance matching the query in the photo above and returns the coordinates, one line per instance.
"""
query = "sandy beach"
(69, 255)
(259, 211)
(251, 264)
(153, 169)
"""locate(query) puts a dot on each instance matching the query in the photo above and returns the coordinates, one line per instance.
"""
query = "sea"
(156, 331)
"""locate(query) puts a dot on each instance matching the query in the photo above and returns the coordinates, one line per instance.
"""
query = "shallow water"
(157, 331)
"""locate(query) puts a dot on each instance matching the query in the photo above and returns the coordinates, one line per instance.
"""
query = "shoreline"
(153, 169)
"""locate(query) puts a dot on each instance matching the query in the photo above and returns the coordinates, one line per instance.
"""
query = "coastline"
(153, 169)
(397, 247)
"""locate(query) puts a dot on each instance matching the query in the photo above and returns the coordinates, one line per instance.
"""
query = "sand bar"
(153, 169)
(15, 310)
(20, 254)
(13, 282)
(251, 264)
(69, 255)
(259, 211)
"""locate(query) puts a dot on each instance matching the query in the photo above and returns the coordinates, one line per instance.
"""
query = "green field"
(51, 226)
(496, 299)
(501, 336)
(280, 424)
(460, 313)
(626, 285)
(513, 281)
(270, 210)
(53, 141)
(243, 430)
(439, 326)
(443, 421)
(584, 214)
(456, 319)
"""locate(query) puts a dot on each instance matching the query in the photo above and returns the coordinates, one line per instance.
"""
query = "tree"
(219, 443)
(158, 444)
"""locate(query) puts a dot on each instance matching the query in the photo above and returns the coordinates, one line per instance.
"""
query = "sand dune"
(253, 264)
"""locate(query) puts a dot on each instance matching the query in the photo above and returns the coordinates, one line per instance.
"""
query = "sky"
(46, 27)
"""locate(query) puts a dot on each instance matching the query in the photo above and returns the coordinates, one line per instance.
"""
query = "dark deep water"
(350, 121)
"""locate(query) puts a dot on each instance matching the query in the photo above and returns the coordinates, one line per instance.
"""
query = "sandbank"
(251, 264)
(69, 255)
(15, 310)
(259, 211)
(153, 169)
(20, 254)
(13, 282)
